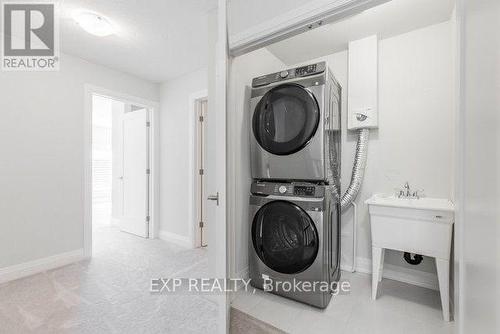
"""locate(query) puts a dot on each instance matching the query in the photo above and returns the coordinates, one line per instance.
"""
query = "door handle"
(214, 198)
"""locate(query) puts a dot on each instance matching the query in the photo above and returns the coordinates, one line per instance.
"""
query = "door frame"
(309, 16)
(193, 191)
(458, 195)
(153, 107)
(220, 116)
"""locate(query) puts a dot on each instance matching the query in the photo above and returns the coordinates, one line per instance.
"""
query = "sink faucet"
(407, 193)
(407, 189)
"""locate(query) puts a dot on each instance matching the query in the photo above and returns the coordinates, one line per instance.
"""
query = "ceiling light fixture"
(94, 24)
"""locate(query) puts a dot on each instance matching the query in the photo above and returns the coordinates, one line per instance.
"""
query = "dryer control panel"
(302, 71)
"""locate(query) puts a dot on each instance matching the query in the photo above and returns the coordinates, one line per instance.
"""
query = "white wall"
(414, 142)
(41, 142)
(174, 152)
(479, 180)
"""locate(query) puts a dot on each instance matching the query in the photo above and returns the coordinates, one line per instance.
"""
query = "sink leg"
(376, 272)
(443, 271)
(382, 257)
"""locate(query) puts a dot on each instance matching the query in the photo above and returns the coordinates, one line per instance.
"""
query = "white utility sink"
(422, 226)
(424, 203)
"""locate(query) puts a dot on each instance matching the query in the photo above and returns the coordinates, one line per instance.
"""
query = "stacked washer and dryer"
(295, 193)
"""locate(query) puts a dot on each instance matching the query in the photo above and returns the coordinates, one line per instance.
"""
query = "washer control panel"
(293, 189)
(283, 189)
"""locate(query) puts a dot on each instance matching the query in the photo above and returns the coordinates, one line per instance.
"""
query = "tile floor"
(400, 308)
(110, 293)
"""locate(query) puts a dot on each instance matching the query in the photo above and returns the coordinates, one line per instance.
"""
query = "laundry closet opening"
(375, 93)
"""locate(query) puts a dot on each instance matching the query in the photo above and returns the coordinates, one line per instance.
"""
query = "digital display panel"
(303, 190)
(301, 71)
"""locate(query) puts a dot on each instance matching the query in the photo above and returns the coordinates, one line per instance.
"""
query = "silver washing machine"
(294, 237)
(290, 114)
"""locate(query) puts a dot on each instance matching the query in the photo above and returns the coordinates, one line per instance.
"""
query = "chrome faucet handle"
(407, 188)
(398, 192)
(418, 193)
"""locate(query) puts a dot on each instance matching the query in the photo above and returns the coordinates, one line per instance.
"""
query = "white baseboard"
(396, 273)
(176, 239)
(37, 266)
(401, 274)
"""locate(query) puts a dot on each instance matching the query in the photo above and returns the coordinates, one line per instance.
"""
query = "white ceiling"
(386, 20)
(156, 39)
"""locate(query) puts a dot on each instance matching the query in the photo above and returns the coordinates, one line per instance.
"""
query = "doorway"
(119, 166)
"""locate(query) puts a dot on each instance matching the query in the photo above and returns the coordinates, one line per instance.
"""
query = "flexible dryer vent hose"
(358, 169)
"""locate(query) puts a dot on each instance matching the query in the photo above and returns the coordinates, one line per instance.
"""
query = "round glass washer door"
(285, 119)
(284, 237)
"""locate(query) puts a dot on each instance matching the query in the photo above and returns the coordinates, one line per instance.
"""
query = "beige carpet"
(111, 293)
(242, 323)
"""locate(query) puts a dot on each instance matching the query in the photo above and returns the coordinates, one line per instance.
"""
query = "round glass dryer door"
(284, 237)
(285, 119)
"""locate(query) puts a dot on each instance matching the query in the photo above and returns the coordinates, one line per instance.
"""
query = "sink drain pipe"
(417, 259)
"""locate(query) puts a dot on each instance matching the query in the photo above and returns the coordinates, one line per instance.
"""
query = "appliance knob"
(282, 189)
(284, 74)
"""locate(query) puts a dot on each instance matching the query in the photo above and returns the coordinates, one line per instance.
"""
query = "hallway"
(110, 292)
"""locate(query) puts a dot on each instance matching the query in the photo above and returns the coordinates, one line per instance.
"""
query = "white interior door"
(135, 176)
